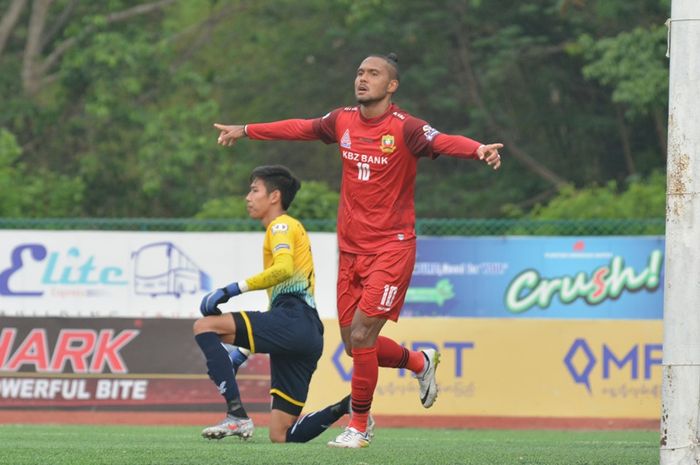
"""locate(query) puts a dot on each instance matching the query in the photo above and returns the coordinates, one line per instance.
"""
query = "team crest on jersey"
(387, 145)
(345, 140)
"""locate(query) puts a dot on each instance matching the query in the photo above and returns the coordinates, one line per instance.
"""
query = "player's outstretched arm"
(288, 129)
(229, 134)
(489, 153)
(464, 147)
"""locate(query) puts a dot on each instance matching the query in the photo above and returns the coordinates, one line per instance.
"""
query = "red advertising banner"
(114, 363)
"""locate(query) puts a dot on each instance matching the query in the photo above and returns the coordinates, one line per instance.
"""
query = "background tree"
(640, 198)
(30, 193)
(117, 98)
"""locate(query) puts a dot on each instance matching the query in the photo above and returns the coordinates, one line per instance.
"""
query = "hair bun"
(393, 57)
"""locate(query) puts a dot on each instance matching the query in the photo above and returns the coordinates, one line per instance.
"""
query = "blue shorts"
(292, 333)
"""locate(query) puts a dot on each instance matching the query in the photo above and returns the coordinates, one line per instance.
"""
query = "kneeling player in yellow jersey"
(290, 331)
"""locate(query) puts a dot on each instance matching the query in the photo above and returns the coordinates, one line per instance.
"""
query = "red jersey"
(380, 157)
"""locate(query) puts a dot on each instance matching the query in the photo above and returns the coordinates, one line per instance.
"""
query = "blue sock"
(221, 372)
(309, 426)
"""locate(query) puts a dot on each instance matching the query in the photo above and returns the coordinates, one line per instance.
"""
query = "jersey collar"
(377, 119)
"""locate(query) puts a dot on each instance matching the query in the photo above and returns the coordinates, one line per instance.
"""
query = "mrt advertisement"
(514, 368)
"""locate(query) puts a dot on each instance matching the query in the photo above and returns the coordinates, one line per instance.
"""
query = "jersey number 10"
(389, 295)
(363, 171)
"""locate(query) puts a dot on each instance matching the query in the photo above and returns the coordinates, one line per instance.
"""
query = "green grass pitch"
(182, 445)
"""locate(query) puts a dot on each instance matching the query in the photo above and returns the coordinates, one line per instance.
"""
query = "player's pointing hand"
(229, 134)
(489, 153)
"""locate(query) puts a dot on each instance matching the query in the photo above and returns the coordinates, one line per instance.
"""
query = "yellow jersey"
(288, 264)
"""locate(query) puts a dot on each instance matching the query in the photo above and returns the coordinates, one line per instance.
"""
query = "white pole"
(681, 364)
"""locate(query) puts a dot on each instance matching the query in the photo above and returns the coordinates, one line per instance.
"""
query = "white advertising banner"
(140, 274)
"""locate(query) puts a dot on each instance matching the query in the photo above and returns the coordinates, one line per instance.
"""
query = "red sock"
(392, 355)
(365, 372)
(416, 361)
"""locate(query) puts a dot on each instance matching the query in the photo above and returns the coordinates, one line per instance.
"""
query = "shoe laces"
(349, 434)
(236, 420)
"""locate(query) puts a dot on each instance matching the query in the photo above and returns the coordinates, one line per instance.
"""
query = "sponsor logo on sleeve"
(279, 247)
(279, 228)
(430, 132)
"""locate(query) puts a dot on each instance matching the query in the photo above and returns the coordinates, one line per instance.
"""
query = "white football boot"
(351, 439)
(231, 426)
(426, 379)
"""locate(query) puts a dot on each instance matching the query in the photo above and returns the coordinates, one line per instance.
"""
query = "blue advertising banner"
(538, 277)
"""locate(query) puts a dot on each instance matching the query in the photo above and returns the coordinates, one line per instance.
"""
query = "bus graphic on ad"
(162, 268)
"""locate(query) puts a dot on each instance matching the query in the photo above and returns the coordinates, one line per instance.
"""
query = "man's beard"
(368, 100)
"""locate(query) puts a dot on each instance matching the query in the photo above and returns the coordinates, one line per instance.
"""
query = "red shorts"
(376, 284)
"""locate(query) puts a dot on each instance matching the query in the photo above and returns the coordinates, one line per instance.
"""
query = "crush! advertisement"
(538, 277)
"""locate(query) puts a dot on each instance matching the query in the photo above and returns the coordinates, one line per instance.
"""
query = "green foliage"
(10, 199)
(50, 195)
(223, 208)
(641, 199)
(121, 125)
(633, 64)
(146, 126)
(315, 201)
(34, 193)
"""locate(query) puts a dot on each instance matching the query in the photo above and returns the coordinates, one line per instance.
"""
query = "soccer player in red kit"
(380, 145)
